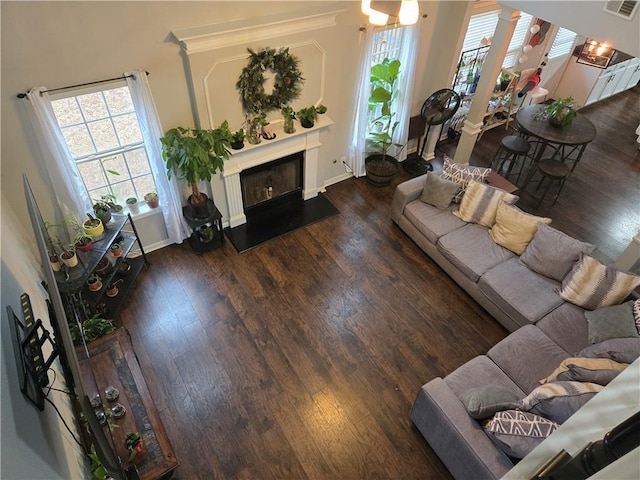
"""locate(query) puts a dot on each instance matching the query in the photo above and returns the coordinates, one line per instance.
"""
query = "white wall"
(35, 445)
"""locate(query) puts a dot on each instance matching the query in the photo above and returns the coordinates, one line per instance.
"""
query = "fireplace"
(273, 183)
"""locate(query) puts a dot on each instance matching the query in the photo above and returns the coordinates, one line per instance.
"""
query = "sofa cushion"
(431, 221)
(462, 173)
(583, 369)
(636, 314)
(438, 191)
(523, 295)
(483, 402)
(557, 401)
(472, 251)
(480, 203)
(567, 326)
(526, 356)
(616, 321)
(552, 253)
(479, 372)
(513, 228)
(518, 433)
(591, 285)
(624, 350)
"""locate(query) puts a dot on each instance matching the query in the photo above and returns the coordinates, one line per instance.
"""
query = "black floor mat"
(279, 221)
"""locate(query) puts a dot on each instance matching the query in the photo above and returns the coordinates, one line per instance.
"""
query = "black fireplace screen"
(275, 180)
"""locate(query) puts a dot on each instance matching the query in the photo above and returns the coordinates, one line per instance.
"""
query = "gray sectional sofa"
(545, 330)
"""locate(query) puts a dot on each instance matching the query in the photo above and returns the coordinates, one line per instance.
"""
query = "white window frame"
(112, 180)
(563, 43)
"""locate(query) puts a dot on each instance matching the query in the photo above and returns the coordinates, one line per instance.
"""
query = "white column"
(311, 188)
(234, 199)
(490, 70)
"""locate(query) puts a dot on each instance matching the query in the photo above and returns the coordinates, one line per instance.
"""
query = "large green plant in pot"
(380, 166)
(194, 155)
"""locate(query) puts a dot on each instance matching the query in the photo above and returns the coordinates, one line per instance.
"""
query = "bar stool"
(512, 147)
(551, 172)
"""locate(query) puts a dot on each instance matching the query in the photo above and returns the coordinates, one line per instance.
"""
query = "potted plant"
(237, 139)
(112, 288)
(102, 207)
(115, 249)
(132, 204)
(83, 242)
(289, 116)
(94, 282)
(93, 226)
(152, 199)
(561, 112)
(54, 260)
(254, 128)
(504, 79)
(308, 115)
(133, 442)
(380, 166)
(194, 155)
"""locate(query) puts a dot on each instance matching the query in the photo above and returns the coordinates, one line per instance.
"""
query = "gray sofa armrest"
(406, 192)
(456, 438)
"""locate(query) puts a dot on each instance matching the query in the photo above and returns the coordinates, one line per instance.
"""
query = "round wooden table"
(568, 142)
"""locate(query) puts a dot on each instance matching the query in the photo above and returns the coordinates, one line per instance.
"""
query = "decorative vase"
(289, 126)
(132, 205)
(152, 200)
(254, 132)
(70, 259)
(93, 227)
(306, 123)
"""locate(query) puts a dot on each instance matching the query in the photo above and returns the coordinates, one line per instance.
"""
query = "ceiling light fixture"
(409, 12)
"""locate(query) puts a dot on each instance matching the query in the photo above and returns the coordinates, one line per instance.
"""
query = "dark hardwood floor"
(301, 358)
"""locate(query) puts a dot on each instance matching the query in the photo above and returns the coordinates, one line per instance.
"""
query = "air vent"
(625, 8)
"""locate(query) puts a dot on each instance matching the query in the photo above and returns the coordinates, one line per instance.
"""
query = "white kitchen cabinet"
(587, 84)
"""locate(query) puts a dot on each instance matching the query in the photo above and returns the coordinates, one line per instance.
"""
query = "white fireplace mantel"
(305, 140)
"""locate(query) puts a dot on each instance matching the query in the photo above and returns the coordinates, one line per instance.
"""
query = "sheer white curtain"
(62, 171)
(363, 90)
(408, 59)
(170, 201)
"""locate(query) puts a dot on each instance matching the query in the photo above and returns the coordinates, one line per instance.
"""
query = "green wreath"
(286, 84)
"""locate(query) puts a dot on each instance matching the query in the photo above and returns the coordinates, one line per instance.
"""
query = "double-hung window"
(562, 43)
(103, 135)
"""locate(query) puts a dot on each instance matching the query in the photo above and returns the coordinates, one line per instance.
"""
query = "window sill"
(143, 211)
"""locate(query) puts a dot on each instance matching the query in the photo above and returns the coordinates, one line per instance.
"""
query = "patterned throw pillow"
(582, 369)
(557, 401)
(636, 314)
(480, 203)
(514, 228)
(462, 173)
(591, 285)
(518, 433)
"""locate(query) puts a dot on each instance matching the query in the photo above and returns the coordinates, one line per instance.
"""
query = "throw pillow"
(557, 401)
(615, 321)
(514, 228)
(623, 350)
(591, 285)
(462, 173)
(552, 253)
(580, 369)
(518, 433)
(438, 191)
(483, 402)
(480, 203)
(636, 314)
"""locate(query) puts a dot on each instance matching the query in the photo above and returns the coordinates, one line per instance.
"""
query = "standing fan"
(436, 110)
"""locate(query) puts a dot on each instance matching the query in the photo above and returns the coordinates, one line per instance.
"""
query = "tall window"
(562, 43)
(103, 134)
(483, 25)
(386, 43)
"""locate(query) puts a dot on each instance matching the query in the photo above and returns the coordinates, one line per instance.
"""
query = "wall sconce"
(406, 11)
(595, 54)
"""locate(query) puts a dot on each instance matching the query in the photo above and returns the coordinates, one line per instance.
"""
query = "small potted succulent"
(83, 242)
(116, 249)
(152, 199)
(94, 282)
(132, 204)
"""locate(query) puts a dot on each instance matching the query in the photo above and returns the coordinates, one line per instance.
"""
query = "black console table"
(206, 233)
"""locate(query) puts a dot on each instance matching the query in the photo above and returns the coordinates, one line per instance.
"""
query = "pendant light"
(365, 7)
(409, 12)
(377, 18)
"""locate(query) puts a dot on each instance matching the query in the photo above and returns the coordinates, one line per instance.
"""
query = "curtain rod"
(23, 95)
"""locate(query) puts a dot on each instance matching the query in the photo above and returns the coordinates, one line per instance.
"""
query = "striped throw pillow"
(462, 174)
(591, 285)
(480, 203)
